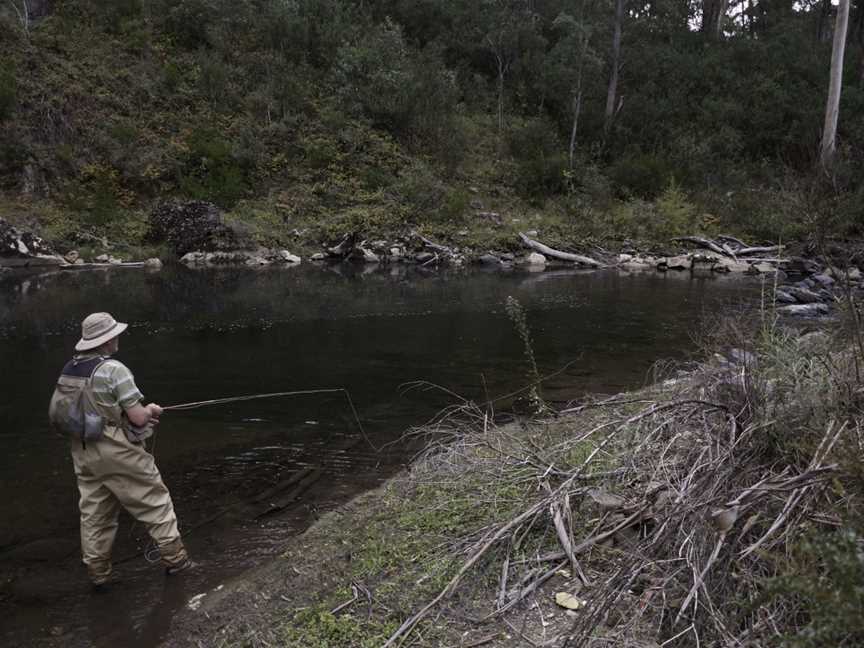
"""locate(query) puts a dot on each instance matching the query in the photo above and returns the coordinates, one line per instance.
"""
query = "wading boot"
(175, 558)
(102, 582)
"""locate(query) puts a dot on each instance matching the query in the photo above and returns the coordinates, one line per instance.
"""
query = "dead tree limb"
(703, 243)
(557, 254)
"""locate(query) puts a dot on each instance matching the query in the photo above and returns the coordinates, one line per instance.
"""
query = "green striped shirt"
(113, 384)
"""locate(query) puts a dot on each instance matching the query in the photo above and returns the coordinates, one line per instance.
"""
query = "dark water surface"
(206, 334)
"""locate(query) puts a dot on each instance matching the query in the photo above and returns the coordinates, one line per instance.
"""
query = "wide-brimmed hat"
(97, 329)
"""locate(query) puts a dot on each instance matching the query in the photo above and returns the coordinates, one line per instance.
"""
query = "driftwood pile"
(666, 525)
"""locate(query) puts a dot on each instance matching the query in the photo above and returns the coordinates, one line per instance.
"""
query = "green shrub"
(642, 175)
(373, 76)
(8, 92)
(826, 576)
(455, 204)
(541, 163)
(212, 171)
(675, 215)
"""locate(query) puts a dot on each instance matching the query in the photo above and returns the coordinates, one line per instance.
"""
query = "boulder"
(287, 257)
(824, 280)
(102, 258)
(681, 262)
(318, 256)
(194, 225)
(784, 297)
(804, 310)
(729, 265)
(803, 295)
(72, 256)
(259, 257)
(535, 259)
(366, 255)
(153, 264)
(488, 259)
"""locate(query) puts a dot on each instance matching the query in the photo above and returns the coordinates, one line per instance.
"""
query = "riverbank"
(712, 504)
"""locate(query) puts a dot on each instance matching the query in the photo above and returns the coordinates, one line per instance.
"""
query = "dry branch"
(557, 254)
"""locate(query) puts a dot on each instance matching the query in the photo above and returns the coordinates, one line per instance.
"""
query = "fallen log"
(434, 246)
(704, 243)
(770, 249)
(96, 266)
(557, 254)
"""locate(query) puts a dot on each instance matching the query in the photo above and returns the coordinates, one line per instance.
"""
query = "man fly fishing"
(98, 406)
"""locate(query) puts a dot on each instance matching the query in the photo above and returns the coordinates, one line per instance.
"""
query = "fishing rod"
(183, 407)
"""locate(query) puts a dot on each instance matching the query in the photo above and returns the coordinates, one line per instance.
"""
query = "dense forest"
(611, 118)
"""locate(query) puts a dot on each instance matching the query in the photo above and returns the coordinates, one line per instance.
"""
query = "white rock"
(681, 262)
(804, 310)
(535, 259)
(287, 257)
(194, 258)
(153, 264)
(625, 258)
(318, 256)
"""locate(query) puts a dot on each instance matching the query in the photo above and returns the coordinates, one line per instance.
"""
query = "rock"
(823, 280)
(625, 258)
(488, 259)
(114, 261)
(803, 295)
(286, 257)
(102, 258)
(531, 233)
(396, 252)
(318, 256)
(783, 297)
(763, 268)
(71, 256)
(728, 265)
(804, 310)
(423, 257)
(22, 248)
(259, 257)
(194, 225)
(535, 259)
(681, 262)
(193, 258)
(153, 264)
(367, 256)
(462, 233)
(801, 266)
(79, 261)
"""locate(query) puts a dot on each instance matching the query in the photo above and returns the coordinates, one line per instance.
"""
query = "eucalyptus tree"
(22, 13)
(615, 68)
(570, 56)
(832, 109)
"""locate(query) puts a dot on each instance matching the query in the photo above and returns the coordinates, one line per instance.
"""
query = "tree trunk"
(832, 109)
(577, 108)
(616, 64)
(713, 12)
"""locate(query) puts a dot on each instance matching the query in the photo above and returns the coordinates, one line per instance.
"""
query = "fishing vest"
(73, 411)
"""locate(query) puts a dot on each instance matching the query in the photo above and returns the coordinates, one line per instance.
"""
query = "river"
(197, 335)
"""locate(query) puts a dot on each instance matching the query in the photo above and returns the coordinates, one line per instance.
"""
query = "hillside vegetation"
(307, 119)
